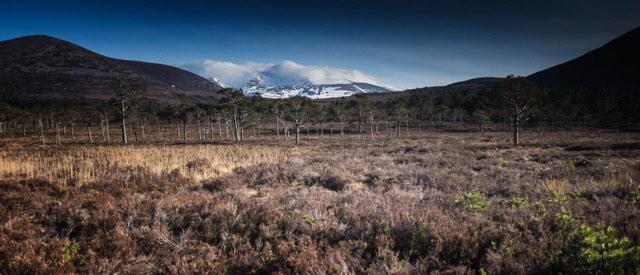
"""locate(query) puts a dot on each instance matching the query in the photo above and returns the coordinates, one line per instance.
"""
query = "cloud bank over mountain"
(236, 75)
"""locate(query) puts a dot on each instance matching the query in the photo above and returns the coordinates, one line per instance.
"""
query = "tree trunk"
(219, 126)
(398, 127)
(241, 130)
(236, 132)
(226, 127)
(407, 127)
(42, 133)
(286, 129)
(57, 133)
(184, 130)
(211, 128)
(89, 133)
(106, 122)
(277, 128)
(142, 131)
(516, 126)
(73, 133)
(297, 134)
(359, 122)
(371, 129)
(134, 132)
(124, 124)
(104, 135)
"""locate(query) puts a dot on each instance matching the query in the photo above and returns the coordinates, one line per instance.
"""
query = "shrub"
(635, 198)
(519, 201)
(334, 183)
(70, 251)
(602, 252)
(571, 166)
(473, 200)
(216, 185)
(309, 219)
(422, 241)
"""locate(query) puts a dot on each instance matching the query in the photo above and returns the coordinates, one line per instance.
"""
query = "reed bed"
(84, 164)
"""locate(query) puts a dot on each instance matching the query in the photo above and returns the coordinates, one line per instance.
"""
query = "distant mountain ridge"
(44, 67)
(288, 79)
(282, 89)
(615, 65)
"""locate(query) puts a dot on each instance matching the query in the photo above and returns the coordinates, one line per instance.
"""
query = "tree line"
(514, 101)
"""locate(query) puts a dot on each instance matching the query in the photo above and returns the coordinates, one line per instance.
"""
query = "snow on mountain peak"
(287, 78)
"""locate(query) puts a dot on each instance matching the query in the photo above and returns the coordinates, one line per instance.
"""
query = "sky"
(396, 43)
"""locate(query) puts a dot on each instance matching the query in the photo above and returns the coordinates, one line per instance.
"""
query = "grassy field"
(440, 201)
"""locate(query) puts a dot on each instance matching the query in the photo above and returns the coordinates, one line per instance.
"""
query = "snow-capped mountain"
(284, 88)
(288, 79)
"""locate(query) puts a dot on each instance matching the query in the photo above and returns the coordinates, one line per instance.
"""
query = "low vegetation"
(450, 202)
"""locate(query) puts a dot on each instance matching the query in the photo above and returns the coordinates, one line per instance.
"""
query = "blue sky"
(404, 44)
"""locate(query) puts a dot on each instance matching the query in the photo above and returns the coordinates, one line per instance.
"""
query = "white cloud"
(236, 75)
(226, 73)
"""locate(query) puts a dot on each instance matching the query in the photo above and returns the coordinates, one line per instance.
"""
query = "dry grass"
(80, 165)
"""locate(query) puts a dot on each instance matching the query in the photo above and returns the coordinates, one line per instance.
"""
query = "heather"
(430, 202)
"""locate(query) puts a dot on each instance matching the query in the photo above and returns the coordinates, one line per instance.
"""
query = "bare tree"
(518, 95)
(128, 97)
(297, 111)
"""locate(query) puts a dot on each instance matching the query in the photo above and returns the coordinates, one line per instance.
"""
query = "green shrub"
(559, 197)
(309, 219)
(386, 226)
(601, 251)
(473, 200)
(519, 201)
(635, 198)
(571, 165)
(421, 240)
(564, 218)
(70, 251)
(540, 208)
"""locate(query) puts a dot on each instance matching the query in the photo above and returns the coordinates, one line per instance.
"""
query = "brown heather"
(336, 205)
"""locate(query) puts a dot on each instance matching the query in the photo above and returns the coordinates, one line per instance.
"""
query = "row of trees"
(514, 100)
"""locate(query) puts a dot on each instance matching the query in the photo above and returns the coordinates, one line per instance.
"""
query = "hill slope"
(43, 68)
(480, 82)
(616, 65)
